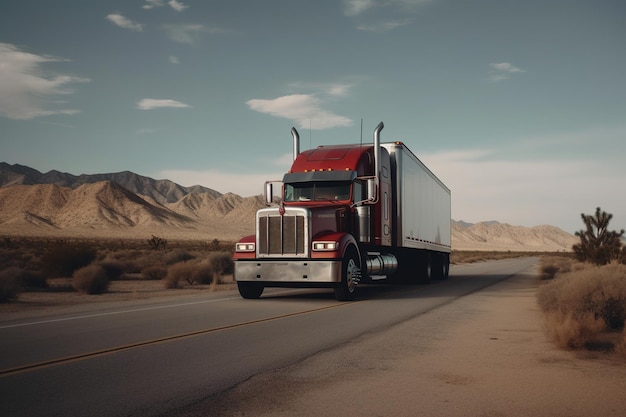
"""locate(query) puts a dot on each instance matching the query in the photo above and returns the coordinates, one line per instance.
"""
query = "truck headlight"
(244, 247)
(325, 246)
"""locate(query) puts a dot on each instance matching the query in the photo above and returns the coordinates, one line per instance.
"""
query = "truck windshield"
(317, 191)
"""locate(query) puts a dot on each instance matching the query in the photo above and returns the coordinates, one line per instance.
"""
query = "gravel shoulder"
(483, 355)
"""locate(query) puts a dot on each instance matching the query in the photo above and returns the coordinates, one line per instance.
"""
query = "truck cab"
(332, 225)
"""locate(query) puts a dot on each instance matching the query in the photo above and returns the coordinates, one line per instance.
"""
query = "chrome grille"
(281, 235)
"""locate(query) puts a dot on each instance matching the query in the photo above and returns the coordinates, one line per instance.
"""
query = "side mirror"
(269, 192)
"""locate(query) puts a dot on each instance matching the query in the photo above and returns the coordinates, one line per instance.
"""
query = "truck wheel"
(446, 266)
(250, 290)
(442, 265)
(426, 272)
(350, 276)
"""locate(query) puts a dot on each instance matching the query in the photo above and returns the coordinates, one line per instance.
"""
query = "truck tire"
(441, 266)
(350, 275)
(445, 259)
(426, 269)
(250, 290)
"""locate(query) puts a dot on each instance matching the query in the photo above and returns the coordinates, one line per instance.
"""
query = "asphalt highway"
(155, 358)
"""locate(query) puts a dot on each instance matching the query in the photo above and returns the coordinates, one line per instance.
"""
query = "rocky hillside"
(498, 236)
(161, 191)
(127, 205)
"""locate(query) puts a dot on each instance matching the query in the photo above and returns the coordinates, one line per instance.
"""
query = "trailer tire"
(250, 290)
(442, 266)
(445, 259)
(350, 275)
(426, 269)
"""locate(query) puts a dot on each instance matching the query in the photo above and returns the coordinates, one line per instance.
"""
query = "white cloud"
(356, 7)
(26, 90)
(151, 4)
(303, 109)
(150, 103)
(124, 22)
(500, 71)
(188, 33)
(174, 4)
(174, 60)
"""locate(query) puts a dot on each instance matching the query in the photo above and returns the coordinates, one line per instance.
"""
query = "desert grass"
(467, 256)
(30, 264)
(584, 306)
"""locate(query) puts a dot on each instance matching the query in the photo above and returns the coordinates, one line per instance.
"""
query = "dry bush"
(583, 303)
(63, 259)
(154, 272)
(91, 279)
(176, 256)
(10, 287)
(113, 269)
(199, 272)
(222, 262)
(571, 331)
(175, 274)
(552, 265)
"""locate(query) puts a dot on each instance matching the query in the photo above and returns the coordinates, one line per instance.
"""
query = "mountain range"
(127, 205)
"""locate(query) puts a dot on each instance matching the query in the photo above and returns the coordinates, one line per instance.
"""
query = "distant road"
(158, 358)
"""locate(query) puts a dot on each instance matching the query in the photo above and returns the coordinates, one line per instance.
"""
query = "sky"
(519, 107)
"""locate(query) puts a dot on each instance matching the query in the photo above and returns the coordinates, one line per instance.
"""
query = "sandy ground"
(485, 355)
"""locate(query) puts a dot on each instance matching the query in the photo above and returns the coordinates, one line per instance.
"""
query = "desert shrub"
(177, 273)
(577, 303)
(134, 261)
(203, 273)
(62, 260)
(215, 245)
(176, 256)
(199, 272)
(10, 288)
(222, 263)
(30, 280)
(154, 272)
(113, 269)
(552, 265)
(572, 331)
(157, 243)
(91, 279)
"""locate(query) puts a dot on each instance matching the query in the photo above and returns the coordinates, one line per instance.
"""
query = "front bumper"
(288, 272)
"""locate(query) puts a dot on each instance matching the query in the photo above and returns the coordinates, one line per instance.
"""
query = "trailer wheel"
(426, 273)
(350, 276)
(445, 259)
(250, 290)
(442, 266)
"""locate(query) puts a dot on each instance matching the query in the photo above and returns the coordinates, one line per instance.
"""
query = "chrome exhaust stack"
(377, 162)
(296, 143)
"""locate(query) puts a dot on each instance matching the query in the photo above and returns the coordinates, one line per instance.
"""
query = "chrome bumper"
(292, 271)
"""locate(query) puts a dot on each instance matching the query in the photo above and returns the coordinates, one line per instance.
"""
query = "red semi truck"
(348, 215)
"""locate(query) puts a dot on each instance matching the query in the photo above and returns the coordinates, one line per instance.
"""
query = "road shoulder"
(485, 354)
